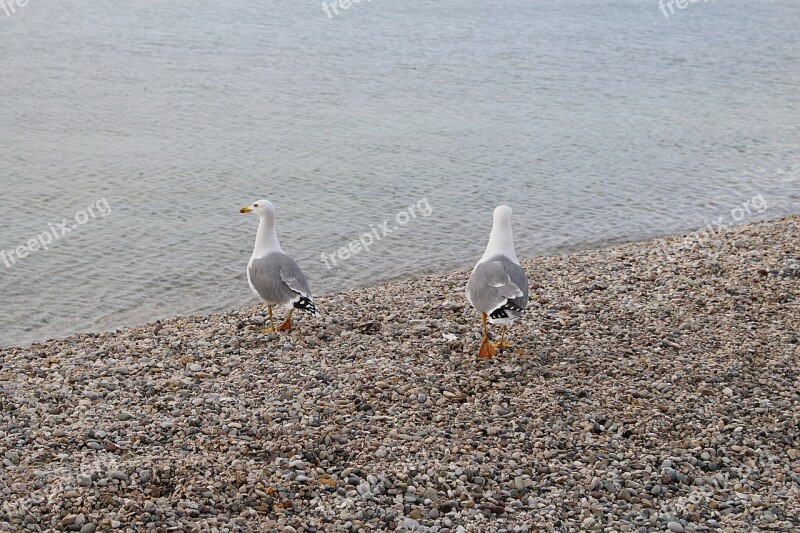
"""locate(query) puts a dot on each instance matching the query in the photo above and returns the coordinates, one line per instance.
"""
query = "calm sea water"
(596, 121)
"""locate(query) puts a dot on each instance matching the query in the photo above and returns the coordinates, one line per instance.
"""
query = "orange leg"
(502, 344)
(487, 350)
(287, 324)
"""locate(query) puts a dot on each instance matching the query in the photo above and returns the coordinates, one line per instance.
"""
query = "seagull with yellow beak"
(274, 276)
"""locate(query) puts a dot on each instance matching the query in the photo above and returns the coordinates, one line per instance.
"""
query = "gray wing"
(496, 283)
(277, 279)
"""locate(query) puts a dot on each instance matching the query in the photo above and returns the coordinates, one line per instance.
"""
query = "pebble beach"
(650, 387)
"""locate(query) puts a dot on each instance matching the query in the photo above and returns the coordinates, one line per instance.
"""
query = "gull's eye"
(255, 205)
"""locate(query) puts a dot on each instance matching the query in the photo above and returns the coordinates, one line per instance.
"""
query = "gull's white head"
(501, 239)
(502, 214)
(263, 208)
(266, 239)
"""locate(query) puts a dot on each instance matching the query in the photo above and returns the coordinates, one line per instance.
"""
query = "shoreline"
(651, 384)
(558, 251)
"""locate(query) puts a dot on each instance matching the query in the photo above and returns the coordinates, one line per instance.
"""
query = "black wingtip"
(305, 304)
(502, 311)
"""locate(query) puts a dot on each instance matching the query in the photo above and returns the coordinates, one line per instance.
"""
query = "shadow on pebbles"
(651, 387)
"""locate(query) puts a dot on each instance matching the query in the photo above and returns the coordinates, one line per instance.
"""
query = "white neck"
(266, 238)
(501, 242)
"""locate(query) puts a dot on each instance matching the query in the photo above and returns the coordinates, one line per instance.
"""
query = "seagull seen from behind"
(498, 287)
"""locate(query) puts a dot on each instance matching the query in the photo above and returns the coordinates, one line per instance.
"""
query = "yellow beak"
(245, 210)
